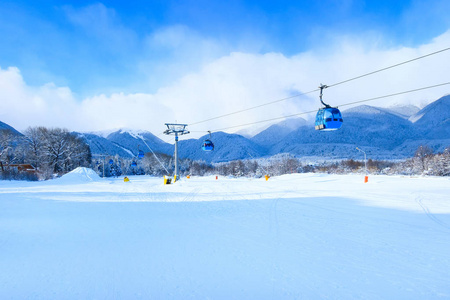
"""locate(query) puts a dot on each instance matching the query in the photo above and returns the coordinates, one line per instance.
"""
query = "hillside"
(277, 132)
(133, 141)
(4, 126)
(364, 126)
(102, 146)
(227, 147)
(433, 121)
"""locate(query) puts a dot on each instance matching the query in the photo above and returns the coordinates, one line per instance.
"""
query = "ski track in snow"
(299, 236)
(433, 217)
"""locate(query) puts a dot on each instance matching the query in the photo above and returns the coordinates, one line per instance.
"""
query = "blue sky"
(99, 47)
(103, 48)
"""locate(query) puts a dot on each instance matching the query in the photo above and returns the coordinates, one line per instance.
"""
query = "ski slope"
(298, 236)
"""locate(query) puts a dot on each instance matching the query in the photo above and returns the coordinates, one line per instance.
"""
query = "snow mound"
(80, 175)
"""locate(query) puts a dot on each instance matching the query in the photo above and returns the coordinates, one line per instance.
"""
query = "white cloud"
(22, 106)
(138, 111)
(235, 82)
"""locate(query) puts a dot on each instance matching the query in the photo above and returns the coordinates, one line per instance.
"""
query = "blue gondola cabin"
(207, 145)
(328, 118)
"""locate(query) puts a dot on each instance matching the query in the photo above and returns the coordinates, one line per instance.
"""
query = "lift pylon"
(176, 129)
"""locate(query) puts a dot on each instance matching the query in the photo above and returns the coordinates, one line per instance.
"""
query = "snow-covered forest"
(50, 150)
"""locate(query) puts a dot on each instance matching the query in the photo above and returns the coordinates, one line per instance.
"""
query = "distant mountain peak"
(137, 134)
(102, 133)
(367, 109)
(287, 124)
(434, 112)
(404, 111)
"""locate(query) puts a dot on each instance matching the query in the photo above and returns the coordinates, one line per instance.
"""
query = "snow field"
(299, 236)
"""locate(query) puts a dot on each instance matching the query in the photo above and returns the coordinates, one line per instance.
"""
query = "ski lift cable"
(199, 131)
(390, 67)
(331, 85)
(396, 94)
(345, 104)
(154, 154)
(254, 107)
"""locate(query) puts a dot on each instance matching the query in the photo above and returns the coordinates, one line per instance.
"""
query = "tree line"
(424, 162)
(52, 151)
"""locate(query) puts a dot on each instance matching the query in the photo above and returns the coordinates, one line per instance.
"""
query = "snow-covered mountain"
(102, 146)
(134, 141)
(384, 133)
(277, 132)
(363, 126)
(404, 111)
(227, 147)
(285, 125)
(125, 143)
(433, 121)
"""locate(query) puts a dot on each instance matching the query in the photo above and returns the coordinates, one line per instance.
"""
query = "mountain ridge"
(383, 133)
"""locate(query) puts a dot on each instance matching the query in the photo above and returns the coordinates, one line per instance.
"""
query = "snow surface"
(298, 236)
